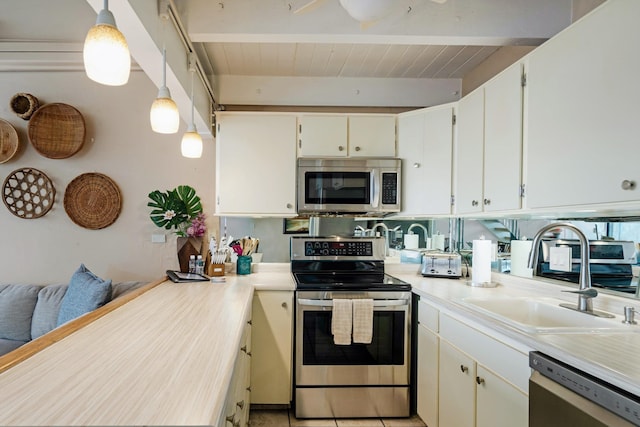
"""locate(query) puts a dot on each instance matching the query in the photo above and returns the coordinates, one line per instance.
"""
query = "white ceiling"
(260, 52)
(253, 46)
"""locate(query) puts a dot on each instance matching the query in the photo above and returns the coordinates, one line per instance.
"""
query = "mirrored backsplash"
(446, 234)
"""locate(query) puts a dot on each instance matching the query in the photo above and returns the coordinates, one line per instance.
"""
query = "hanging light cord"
(193, 125)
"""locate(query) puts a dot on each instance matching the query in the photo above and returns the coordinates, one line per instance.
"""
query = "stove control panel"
(338, 248)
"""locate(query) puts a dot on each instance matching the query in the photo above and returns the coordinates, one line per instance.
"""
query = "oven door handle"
(376, 303)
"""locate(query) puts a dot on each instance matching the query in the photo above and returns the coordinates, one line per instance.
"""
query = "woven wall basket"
(57, 131)
(24, 105)
(9, 141)
(93, 201)
(28, 193)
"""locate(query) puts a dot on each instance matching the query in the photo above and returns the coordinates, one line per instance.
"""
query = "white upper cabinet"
(583, 113)
(342, 135)
(425, 140)
(256, 164)
(372, 136)
(489, 146)
(322, 135)
(503, 141)
(469, 153)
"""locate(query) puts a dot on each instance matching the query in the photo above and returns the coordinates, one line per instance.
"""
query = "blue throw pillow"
(85, 293)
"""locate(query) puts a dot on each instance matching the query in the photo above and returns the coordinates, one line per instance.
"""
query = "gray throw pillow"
(85, 293)
(45, 314)
(16, 308)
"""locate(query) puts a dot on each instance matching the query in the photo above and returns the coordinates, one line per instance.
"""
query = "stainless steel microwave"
(362, 186)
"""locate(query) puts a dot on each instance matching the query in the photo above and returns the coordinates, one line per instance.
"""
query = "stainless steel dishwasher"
(563, 396)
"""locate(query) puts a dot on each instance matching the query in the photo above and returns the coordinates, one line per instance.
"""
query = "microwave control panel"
(343, 248)
(389, 188)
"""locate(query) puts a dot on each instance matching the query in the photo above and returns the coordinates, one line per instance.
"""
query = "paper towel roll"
(520, 257)
(411, 241)
(481, 262)
(437, 240)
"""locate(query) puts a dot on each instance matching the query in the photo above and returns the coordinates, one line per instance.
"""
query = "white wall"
(119, 144)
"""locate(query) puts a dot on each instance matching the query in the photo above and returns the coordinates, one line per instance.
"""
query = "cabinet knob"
(357, 148)
(479, 380)
(284, 305)
(474, 203)
(487, 201)
(289, 206)
(628, 185)
(340, 148)
(416, 165)
(464, 369)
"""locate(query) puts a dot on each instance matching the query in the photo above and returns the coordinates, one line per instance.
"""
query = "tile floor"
(286, 418)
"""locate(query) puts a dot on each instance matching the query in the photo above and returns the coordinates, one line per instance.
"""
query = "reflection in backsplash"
(274, 242)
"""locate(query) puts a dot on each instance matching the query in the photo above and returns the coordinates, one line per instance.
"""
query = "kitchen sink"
(543, 315)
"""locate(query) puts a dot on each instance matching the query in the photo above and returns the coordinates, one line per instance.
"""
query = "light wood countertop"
(164, 358)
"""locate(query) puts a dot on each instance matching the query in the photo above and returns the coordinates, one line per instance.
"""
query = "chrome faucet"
(386, 230)
(424, 229)
(585, 293)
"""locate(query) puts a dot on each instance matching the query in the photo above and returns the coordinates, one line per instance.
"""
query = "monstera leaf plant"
(175, 209)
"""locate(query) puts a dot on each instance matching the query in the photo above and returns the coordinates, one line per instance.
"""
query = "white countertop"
(610, 356)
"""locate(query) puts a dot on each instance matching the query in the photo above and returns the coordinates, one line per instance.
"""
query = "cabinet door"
(499, 404)
(582, 113)
(456, 404)
(323, 136)
(256, 153)
(469, 153)
(372, 136)
(427, 387)
(503, 141)
(425, 142)
(271, 347)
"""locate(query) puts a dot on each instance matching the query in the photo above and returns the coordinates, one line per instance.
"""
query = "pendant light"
(106, 54)
(164, 114)
(191, 146)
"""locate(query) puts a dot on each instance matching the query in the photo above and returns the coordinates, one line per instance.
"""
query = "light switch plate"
(158, 238)
(560, 258)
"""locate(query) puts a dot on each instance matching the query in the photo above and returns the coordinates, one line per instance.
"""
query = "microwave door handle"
(375, 178)
(329, 303)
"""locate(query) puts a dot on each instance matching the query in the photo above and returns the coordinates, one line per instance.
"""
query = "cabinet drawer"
(502, 359)
(428, 316)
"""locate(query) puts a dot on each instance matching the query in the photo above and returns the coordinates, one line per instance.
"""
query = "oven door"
(320, 362)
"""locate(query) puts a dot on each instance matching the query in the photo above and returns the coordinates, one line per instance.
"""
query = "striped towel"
(341, 321)
(362, 321)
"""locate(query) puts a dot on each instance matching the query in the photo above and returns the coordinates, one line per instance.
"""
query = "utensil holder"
(215, 270)
(243, 266)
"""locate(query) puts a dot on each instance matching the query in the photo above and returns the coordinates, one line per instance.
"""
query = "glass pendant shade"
(164, 115)
(191, 146)
(106, 54)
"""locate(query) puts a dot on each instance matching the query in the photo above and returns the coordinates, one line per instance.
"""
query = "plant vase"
(188, 246)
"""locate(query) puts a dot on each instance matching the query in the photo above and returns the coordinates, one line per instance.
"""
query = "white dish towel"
(341, 321)
(362, 321)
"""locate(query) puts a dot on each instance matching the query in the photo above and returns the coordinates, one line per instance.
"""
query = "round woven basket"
(24, 105)
(93, 201)
(28, 193)
(57, 131)
(9, 141)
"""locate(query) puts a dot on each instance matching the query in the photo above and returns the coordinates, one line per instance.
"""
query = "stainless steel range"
(360, 379)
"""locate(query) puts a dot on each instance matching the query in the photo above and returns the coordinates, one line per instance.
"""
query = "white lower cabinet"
(468, 378)
(238, 401)
(272, 347)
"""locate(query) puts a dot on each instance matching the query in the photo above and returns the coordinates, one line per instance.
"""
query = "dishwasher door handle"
(376, 303)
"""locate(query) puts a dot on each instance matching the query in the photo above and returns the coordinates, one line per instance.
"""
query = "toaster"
(441, 264)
